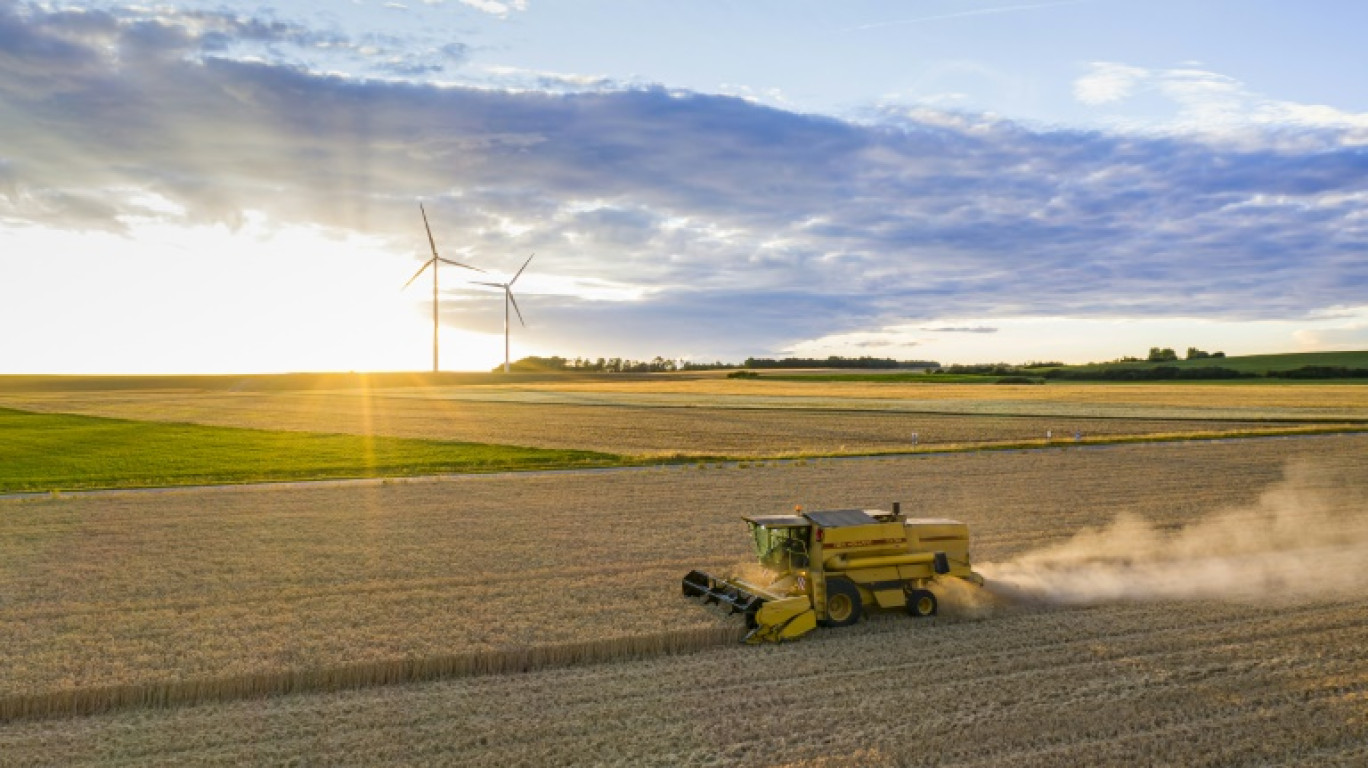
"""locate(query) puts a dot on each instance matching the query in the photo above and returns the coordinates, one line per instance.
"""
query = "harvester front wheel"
(921, 602)
(843, 603)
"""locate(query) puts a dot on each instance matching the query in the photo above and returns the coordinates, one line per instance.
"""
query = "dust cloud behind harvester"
(1305, 538)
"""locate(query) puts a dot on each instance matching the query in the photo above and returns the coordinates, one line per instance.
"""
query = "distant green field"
(1257, 365)
(43, 452)
(900, 377)
(1261, 363)
(1254, 363)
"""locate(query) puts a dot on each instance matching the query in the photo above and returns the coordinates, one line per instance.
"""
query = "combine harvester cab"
(828, 568)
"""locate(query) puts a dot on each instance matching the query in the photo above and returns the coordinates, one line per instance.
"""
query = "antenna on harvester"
(432, 262)
(508, 299)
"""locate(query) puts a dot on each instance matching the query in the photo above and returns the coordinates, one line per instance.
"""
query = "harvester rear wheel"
(843, 603)
(921, 602)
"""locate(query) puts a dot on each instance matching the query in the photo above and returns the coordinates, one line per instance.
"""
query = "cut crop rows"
(711, 426)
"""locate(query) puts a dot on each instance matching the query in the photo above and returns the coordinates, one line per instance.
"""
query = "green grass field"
(1254, 363)
(48, 452)
(916, 377)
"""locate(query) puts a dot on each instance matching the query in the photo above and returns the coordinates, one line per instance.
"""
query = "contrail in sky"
(962, 14)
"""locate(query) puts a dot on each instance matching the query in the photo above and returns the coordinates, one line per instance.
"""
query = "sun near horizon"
(296, 299)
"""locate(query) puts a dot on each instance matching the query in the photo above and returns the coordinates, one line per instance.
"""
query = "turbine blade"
(491, 285)
(520, 271)
(426, 264)
(431, 242)
(457, 264)
(509, 294)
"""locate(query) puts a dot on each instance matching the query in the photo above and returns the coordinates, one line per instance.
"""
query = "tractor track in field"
(681, 463)
(886, 405)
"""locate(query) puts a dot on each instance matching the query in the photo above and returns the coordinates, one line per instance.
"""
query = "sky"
(224, 186)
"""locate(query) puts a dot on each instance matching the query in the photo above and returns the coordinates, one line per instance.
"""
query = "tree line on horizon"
(658, 364)
(1121, 369)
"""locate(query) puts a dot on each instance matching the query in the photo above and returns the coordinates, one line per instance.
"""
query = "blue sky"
(232, 186)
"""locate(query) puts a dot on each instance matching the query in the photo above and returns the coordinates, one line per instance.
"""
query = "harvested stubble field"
(696, 424)
(1168, 395)
(1122, 686)
(190, 584)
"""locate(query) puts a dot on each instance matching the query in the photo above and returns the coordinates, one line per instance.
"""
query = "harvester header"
(828, 567)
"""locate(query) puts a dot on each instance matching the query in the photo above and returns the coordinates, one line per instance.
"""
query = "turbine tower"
(508, 299)
(432, 262)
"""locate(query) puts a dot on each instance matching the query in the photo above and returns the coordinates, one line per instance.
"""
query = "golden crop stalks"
(93, 700)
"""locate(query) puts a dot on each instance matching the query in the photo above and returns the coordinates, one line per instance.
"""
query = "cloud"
(1352, 333)
(964, 329)
(1107, 83)
(699, 216)
(1212, 103)
(522, 79)
(495, 7)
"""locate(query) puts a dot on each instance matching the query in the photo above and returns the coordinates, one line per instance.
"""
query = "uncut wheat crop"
(114, 589)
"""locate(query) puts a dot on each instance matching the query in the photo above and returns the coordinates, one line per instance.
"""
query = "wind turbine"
(508, 299)
(432, 262)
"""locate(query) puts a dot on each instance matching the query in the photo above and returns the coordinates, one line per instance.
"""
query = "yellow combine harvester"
(829, 567)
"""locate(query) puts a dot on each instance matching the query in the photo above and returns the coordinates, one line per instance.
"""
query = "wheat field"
(206, 587)
(702, 424)
(1260, 395)
(116, 589)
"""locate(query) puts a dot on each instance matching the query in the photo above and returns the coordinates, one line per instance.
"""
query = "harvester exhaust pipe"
(897, 508)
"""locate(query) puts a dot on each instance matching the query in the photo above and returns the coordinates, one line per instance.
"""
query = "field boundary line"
(649, 464)
(859, 405)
